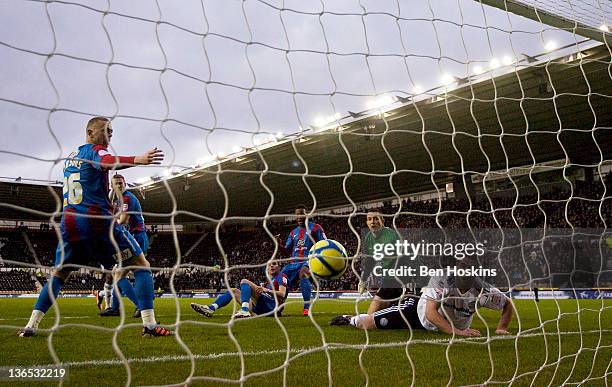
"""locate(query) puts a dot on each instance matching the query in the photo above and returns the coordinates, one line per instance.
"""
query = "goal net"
(456, 123)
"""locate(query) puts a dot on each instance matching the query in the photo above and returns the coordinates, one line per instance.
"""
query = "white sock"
(148, 318)
(245, 305)
(213, 306)
(357, 319)
(35, 319)
(108, 295)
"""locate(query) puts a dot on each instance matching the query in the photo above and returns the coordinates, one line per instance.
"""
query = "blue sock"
(44, 300)
(306, 288)
(245, 296)
(126, 287)
(144, 288)
(221, 301)
(115, 300)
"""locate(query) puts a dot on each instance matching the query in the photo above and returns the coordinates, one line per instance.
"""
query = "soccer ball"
(327, 259)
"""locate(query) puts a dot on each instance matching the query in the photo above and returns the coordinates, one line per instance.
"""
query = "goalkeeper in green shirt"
(378, 234)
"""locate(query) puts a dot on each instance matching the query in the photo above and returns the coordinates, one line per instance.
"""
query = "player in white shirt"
(443, 306)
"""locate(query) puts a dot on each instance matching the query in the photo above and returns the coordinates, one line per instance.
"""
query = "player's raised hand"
(152, 157)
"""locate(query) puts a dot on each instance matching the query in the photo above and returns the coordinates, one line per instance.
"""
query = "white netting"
(594, 14)
(445, 114)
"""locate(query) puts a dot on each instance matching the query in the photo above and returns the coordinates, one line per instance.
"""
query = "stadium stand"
(559, 206)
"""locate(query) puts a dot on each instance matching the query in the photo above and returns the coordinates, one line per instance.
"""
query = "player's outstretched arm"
(152, 157)
(506, 317)
(434, 317)
(284, 249)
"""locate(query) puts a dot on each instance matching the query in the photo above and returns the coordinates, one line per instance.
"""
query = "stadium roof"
(479, 125)
(376, 157)
(24, 201)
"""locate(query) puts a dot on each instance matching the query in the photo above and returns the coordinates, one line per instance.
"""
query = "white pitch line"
(331, 346)
(75, 317)
(27, 318)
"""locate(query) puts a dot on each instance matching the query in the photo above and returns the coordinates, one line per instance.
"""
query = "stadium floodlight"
(319, 122)
(417, 89)
(494, 64)
(167, 172)
(220, 155)
(478, 69)
(507, 60)
(380, 101)
(256, 142)
(279, 135)
(604, 28)
(236, 149)
(551, 45)
(447, 79)
(143, 180)
(322, 121)
(206, 159)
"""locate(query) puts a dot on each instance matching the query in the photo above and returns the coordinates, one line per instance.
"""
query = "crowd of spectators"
(195, 261)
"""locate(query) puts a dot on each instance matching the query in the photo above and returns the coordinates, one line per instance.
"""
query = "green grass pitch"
(540, 356)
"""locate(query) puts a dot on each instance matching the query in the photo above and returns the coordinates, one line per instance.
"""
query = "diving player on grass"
(298, 244)
(86, 224)
(130, 215)
(446, 305)
(264, 299)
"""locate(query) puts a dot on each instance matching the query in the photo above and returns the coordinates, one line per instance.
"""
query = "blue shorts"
(98, 249)
(265, 304)
(143, 241)
(292, 271)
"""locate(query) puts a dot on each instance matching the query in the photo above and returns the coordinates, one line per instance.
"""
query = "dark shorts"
(98, 249)
(390, 294)
(399, 316)
(292, 271)
(265, 304)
